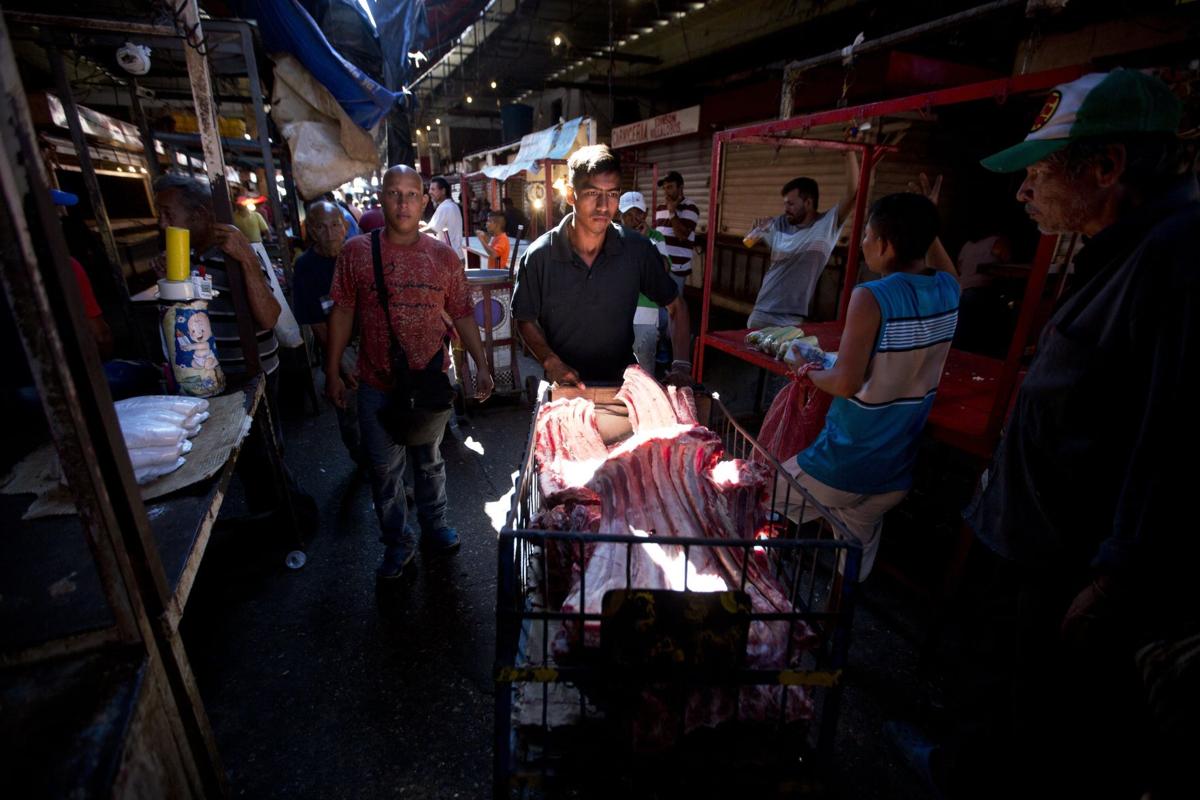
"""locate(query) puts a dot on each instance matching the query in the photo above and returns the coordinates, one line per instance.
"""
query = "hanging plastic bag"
(287, 331)
(794, 419)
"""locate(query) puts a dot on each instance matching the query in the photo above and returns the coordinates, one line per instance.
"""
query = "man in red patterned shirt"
(425, 285)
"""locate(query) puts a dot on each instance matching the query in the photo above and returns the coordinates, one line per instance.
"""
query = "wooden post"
(214, 163)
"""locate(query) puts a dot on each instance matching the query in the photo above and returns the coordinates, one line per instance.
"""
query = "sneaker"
(441, 540)
(395, 559)
(917, 752)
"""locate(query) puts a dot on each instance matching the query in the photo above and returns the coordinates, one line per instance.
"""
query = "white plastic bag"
(147, 474)
(287, 331)
(154, 402)
(143, 457)
(152, 433)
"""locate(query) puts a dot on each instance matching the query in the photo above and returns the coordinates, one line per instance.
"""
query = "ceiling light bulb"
(646, 29)
(437, 121)
(428, 127)
(493, 84)
(680, 14)
(662, 23)
(633, 37)
(695, 6)
(470, 99)
(557, 41)
(620, 43)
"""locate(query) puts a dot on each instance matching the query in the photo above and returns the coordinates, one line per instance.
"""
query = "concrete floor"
(316, 689)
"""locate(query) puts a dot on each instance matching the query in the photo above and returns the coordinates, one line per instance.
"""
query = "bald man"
(423, 279)
(311, 283)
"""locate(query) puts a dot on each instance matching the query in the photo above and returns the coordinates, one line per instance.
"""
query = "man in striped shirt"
(676, 220)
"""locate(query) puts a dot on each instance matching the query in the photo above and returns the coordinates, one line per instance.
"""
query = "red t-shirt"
(423, 281)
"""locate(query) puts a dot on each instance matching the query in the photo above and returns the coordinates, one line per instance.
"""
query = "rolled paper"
(179, 261)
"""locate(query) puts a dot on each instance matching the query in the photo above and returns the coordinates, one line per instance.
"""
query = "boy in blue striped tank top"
(894, 345)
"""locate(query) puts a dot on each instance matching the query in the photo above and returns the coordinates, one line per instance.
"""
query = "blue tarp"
(402, 27)
(287, 27)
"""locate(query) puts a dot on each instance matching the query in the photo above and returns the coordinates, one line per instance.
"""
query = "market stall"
(970, 408)
(98, 692)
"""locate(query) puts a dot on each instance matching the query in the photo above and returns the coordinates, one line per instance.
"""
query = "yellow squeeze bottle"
(179, 261)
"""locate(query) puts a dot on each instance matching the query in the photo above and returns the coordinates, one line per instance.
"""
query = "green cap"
(1098, 104)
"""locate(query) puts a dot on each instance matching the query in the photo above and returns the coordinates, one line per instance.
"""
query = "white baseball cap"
(631, 200)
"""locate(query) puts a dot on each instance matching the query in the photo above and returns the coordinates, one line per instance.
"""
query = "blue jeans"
(386, 460)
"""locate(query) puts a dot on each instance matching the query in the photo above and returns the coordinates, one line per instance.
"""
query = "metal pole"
(214, 163)
(148, 143)
(548, 180)
(654, 190)
(264, 141)
(860, 210)
(464, 194)
(1016, 348)
(714, 195)
(90, 24)
(90, 180)
(792, 71)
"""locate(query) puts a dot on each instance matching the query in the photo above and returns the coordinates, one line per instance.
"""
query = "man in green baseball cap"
(1085, 555)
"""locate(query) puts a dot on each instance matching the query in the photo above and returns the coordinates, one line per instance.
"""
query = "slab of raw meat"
(649, 406)
(566, 445)
(684, 402)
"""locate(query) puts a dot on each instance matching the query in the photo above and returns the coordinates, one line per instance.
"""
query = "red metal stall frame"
(653, 165)
(548, 179)
(774, 133)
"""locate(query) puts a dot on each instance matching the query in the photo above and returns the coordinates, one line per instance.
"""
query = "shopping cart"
(665, 705)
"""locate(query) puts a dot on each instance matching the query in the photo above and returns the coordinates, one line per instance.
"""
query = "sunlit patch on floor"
(497, 510)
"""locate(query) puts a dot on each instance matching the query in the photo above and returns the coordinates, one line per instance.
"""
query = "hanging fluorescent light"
(633, 37)
(662, 23)
(646, 29)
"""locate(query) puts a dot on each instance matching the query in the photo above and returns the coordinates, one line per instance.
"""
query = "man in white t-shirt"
(446, 216)
(801, 240)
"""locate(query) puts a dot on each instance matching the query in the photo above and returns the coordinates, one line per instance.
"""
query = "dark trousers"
(1037, 716)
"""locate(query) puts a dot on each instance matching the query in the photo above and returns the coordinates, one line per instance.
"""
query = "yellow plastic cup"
(179, 260)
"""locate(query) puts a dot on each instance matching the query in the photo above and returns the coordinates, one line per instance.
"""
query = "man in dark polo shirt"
(577, 285)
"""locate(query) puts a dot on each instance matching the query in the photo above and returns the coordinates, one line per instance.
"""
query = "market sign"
(664, 126)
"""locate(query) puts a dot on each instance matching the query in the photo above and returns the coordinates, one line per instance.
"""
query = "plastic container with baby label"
(191, 350)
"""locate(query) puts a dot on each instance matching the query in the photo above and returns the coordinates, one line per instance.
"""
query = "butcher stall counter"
(964, 400)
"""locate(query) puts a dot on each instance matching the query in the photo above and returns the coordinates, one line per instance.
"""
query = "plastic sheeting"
(402, 27)
(287, 28)
(554, 143)
(327, 148)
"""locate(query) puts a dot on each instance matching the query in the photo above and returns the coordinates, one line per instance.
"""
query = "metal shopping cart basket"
(665, 703)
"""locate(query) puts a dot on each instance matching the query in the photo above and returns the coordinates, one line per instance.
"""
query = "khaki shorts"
(861, 514)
